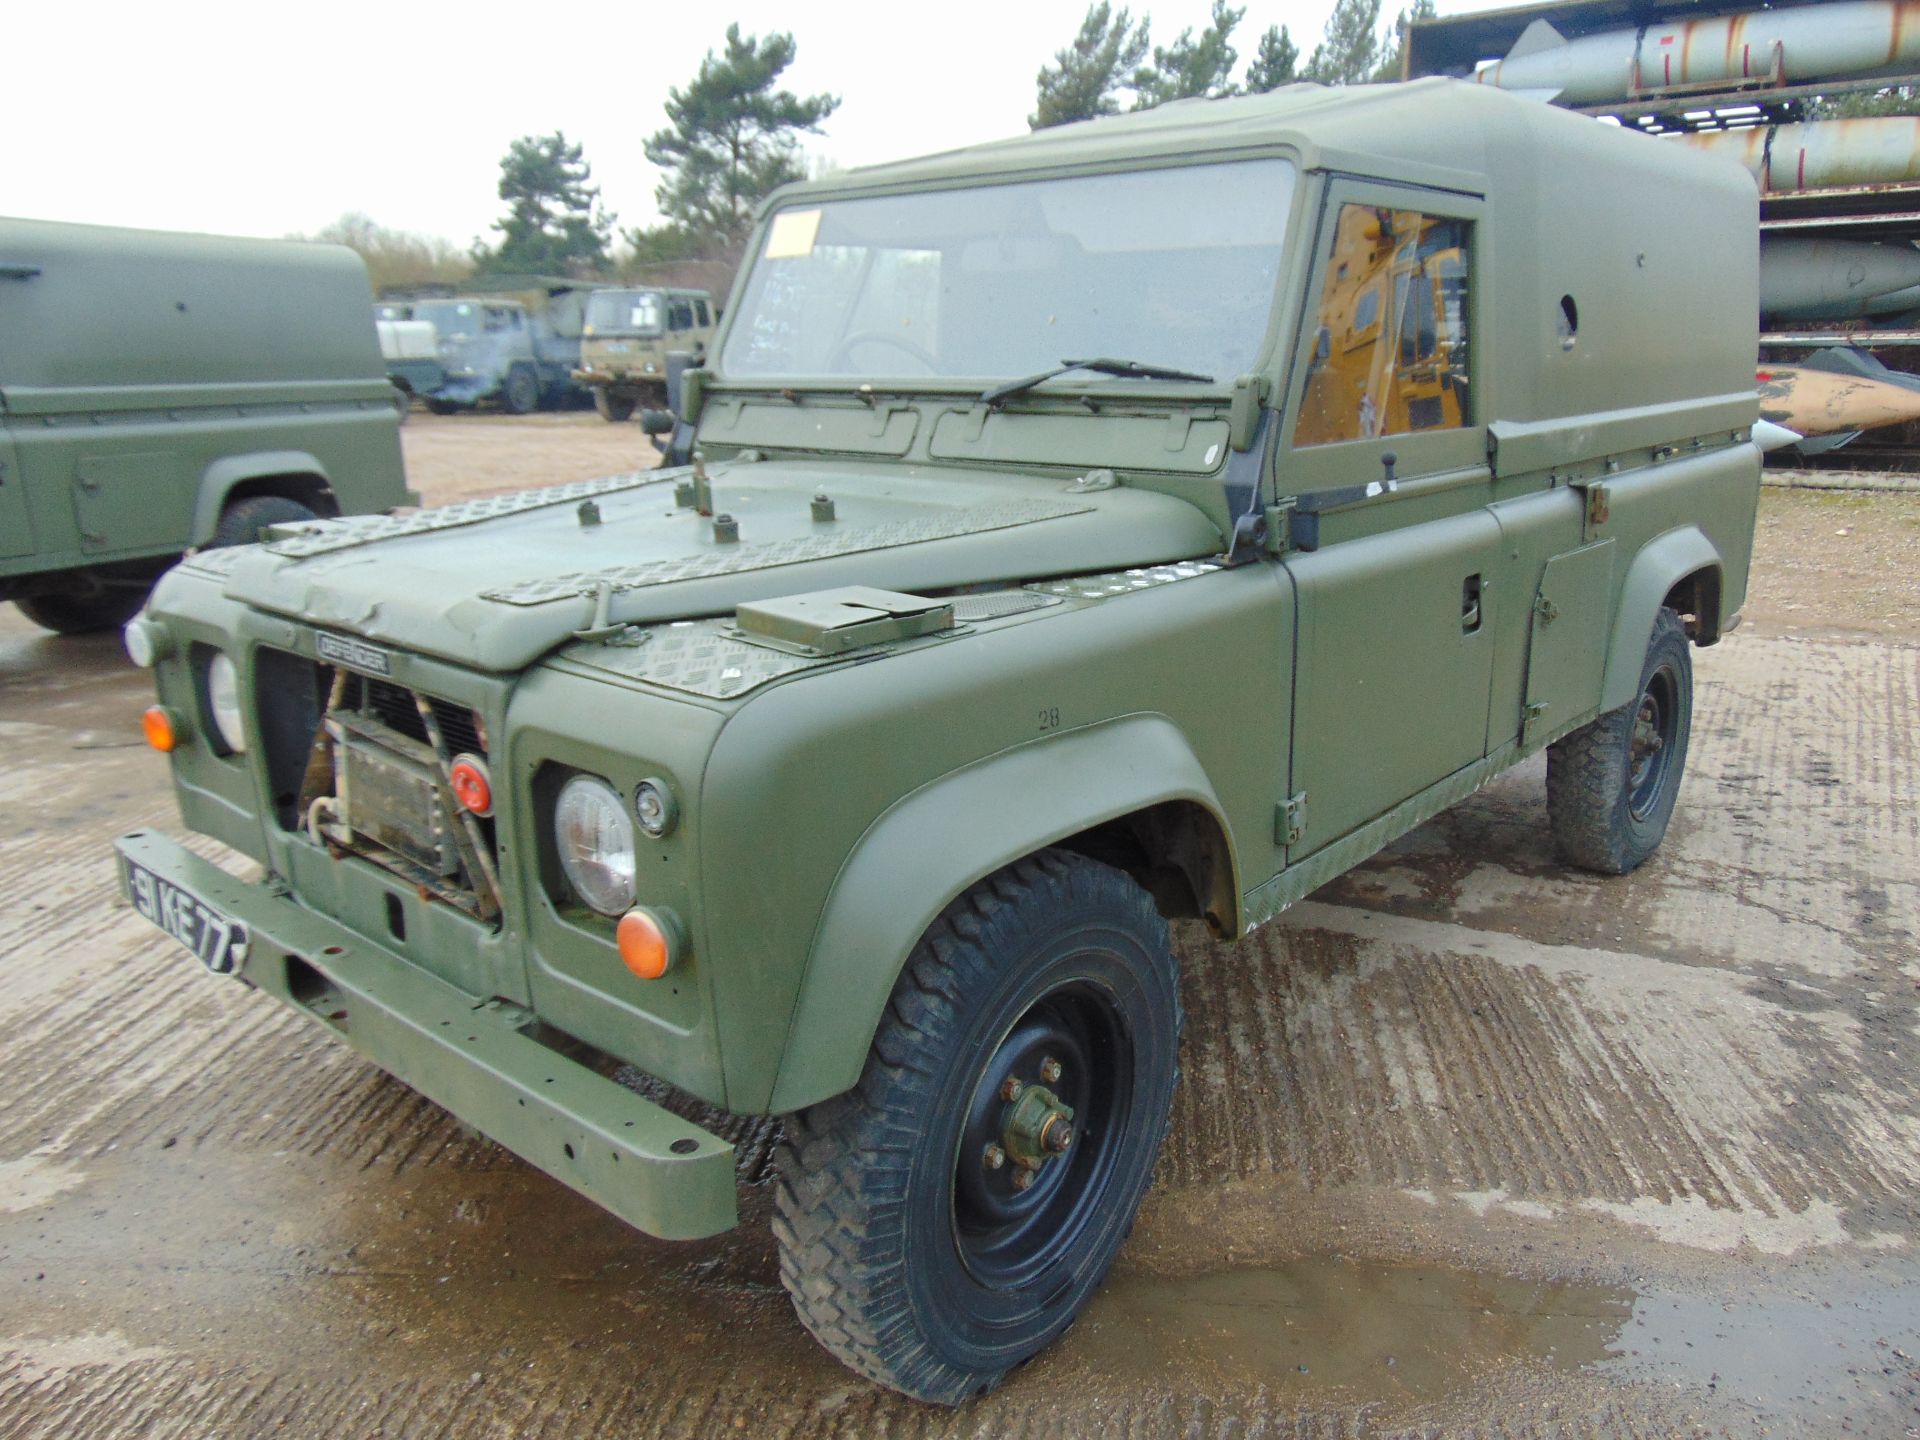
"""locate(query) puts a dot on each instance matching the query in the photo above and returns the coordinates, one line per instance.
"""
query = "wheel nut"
(1010, 1088)
(1049, 1070)
(995, 1157)
(1022, 1179)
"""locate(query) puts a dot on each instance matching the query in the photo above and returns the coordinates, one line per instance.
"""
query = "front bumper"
(661, 1174)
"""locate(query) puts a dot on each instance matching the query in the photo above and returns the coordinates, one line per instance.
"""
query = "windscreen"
(623, 312)
(452, 319)
(1172, 267)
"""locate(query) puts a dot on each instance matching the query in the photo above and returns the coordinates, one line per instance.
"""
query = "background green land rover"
(161, 391)
(853, 773)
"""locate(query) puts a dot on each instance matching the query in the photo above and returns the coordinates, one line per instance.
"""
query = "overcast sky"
(264, 118)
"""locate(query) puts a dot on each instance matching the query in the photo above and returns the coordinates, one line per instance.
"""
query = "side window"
(700, 309)
(680, 316)
(1390, 352)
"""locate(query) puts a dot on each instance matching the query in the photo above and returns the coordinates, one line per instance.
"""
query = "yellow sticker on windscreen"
(792, 234)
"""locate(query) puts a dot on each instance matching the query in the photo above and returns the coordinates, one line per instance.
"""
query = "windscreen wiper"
(1132, 369)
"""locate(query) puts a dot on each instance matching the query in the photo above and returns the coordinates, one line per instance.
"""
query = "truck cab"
(517, 351)
(626, 339)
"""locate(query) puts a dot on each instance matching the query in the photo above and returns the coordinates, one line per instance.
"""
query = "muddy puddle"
(1403, 1340)
(1314, 1328)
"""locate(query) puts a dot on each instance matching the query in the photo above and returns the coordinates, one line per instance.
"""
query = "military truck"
(627, 338)
(164, 391)
(1069, 546)
(517, 351)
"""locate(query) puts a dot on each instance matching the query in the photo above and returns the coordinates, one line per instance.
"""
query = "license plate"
(220, 943)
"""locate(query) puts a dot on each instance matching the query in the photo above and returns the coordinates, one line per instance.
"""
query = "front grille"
(353, 764)
(393, 705)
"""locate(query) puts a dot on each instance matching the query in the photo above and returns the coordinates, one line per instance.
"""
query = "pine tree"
(733, 137)
(1275, 63)
(1349, 54)
(1191, 67)
(554, 223)
(1081, 82)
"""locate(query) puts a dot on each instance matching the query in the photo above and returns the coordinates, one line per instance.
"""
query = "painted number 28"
(1050, 718)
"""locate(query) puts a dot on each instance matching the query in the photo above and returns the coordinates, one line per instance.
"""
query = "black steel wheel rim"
(1656, 726)
(1004, 1236)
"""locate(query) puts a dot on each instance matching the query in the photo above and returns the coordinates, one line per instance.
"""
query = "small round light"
(594, 836)
(654, 805)
(223, 700)
(146, 643)
(472, 785)
(645, 946)
(160, 728)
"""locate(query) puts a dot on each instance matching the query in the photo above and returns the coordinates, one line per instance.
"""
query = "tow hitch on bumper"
(661, 1174)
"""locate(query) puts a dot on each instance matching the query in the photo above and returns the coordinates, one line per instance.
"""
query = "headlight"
(223, 701)
(595, 840)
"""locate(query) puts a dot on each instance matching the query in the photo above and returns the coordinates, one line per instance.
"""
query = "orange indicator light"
(472, 787)
(159, 727)
(643, 945)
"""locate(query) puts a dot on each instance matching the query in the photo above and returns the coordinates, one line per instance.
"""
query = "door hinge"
(1290, 820)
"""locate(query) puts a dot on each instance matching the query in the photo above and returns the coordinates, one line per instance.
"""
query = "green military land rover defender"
(162, 391)
(1144, 518)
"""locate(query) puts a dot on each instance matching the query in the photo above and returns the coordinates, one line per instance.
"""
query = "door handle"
(1470, 604)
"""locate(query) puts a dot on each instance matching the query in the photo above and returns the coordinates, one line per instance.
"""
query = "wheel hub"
(1036, 1127)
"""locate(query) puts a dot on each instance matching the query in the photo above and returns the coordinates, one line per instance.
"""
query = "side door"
(1394, 548)
(16, 528)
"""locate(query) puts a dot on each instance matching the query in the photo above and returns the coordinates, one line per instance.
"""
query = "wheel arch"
(294, 474)
(1138, 799)
(1680, 568)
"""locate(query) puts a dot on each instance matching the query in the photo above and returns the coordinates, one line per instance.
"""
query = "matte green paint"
(988, 815)
(831, 805)
(661, 1174)
(144, 376)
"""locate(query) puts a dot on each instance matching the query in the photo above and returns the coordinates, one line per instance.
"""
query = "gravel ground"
(1468, 1143)
(1829, 562)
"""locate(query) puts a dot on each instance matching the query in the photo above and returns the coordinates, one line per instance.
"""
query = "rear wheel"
(242, 520)
(946, 1219)
(1612, 784)
(522, 393)
(440, 407)
(104, 609)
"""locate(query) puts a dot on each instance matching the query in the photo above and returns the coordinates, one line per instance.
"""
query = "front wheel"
(946, 1219)
(522, 393)
(1612, 784)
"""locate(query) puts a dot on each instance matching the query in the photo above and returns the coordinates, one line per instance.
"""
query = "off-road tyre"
(436, 406)
(615, 409)
(1610, 788)
(242, 520)
(908, 1254)
(521, 394)
(105, 609)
